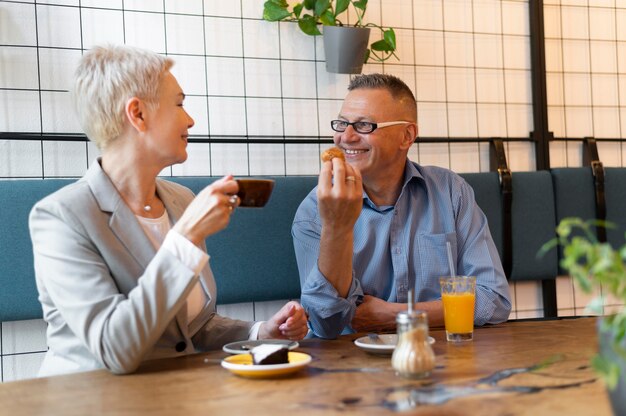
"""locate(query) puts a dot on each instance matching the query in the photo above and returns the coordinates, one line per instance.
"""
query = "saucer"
(242, 347)
(241, 365)
(385, 344)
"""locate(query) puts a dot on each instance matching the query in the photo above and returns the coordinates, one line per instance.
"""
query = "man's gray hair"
(396, 87)
(391, 83)
(106, 78)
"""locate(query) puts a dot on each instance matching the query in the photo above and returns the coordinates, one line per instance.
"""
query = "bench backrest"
(532, 220)
(575, 197)
(615, 196)
(489, 198)
(253, 259)
(533, 223)
(18, 292)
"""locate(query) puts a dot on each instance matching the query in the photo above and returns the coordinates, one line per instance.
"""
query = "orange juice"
(458, 312)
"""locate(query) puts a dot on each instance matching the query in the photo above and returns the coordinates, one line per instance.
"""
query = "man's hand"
(339, 194)
(376, 315)
(340, 199)
(290, 322)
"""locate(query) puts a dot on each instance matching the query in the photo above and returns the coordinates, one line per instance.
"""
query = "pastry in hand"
(332, 152)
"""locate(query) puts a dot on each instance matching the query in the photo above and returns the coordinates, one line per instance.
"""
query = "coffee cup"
(254, 192)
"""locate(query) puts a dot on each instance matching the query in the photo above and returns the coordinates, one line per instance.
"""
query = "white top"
(157, 230)
(159, 233)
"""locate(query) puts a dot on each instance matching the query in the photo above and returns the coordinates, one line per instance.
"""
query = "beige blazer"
(109, 299)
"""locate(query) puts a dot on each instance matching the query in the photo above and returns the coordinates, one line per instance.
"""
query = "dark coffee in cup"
(254, 192)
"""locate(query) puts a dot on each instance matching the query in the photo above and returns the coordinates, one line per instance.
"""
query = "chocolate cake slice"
(265, 354)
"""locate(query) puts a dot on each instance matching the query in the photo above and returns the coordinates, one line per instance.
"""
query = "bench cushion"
(488, 196)
(18, 296)
(533, 224)
(253, 258)
(575, 197)
(574, 193)
(615, 196)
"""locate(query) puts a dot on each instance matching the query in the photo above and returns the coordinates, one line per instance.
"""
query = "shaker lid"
(405, 317)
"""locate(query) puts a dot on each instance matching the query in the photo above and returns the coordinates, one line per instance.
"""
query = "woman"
(120, 261)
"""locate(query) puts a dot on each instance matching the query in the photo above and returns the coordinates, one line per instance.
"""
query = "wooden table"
(344, 379)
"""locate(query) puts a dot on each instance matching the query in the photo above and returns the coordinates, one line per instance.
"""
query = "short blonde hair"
(106, 77)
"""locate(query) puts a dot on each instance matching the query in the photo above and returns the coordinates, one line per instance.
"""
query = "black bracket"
(497, 161)
(591, 159)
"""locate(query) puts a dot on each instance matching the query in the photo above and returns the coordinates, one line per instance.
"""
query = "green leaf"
(381, 46)
(596, 305)
(309, 4)
(361, 4)
(321, 6)
(273, 12)
(547, 247)
(608, 370)
(328, 18)
(297, 10)
(390, 36)
(341, 6)
(308, 24)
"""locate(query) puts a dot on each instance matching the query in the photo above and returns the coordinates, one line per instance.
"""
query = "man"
(378, 224)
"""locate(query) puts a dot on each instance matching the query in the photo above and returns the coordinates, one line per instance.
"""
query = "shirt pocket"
(433, 257)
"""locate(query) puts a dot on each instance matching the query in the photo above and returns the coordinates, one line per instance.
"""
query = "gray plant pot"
(617, 396)
(345, 48)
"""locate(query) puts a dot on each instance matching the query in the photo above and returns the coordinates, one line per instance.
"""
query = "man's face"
(374, 153)
(169, 123)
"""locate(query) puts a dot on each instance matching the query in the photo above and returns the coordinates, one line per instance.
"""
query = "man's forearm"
(377, 315)
(335, 259)
(434, 310)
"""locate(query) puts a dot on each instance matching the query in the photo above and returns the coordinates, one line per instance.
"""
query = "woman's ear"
(135, 113)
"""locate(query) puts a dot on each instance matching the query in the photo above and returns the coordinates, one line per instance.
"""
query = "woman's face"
(168, 125)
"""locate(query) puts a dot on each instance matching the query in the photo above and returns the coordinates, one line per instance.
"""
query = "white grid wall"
(586, 77)
(247, 77)
(467, 62)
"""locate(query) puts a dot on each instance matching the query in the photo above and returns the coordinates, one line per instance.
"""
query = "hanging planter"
(340, 41)
(345, 48)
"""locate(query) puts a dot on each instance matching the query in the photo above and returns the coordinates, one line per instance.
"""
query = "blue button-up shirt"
(404, 246)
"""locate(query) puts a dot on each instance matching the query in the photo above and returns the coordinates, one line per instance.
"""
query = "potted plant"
(594, 266)
(346, 47)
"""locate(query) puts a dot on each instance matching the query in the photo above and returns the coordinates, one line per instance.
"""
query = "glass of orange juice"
(458, 294)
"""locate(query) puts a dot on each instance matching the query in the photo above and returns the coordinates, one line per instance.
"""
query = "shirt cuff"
(254, 331)
(190, 255)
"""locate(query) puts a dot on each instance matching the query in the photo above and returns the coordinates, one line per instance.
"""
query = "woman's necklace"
(148, 207)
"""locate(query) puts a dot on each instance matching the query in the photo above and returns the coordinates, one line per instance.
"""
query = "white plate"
(384, 346)
(241, 365)
(243, 347)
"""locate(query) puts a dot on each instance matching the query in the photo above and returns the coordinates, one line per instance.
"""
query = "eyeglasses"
(363, 127)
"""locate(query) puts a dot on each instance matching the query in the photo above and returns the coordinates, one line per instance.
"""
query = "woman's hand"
(290, 322)
(210, 210)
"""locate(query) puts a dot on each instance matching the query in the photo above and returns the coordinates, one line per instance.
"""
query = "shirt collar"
(411, 172)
